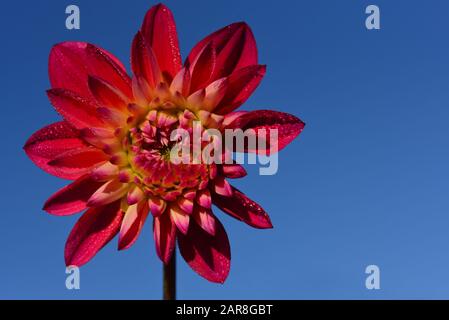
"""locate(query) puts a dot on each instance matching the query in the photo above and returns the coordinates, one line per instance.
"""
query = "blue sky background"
(366, 183)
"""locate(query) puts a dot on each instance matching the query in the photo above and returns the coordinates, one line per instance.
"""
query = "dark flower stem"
(170, 279)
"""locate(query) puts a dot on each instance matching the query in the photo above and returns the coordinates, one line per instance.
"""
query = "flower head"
(115, 141)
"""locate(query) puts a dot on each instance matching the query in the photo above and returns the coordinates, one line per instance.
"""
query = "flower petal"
(181, 82)
(242, 208)
(105, 172)
(135, 195)
(233, 171)
(111, 117)
(204, 198)
(159, 31)
(207, 255)
(241, 84)
(214, 93)
(186, 205)
(72, 198)
(132, 224)
(222, 187)
(196, 99)
(70, 63)
(143, 62)
(179, 218)
(235, 46)
(106, 95)
(157, 205)
(202, 68)
(107, 67)
(49, 142)
(107, 193)
(262, 122)
(205, 219)
(78, 111)
(164, 232)
(92, 232)
(84, 159)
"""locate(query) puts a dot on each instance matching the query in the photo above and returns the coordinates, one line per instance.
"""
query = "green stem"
(169, 286)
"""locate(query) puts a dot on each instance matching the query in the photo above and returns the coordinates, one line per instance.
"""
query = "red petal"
(108, 193)
(112, 117)
(186, 205)
(92, 232)
(84, 159)
(105, 172)
(143, 61)
(233, 171)
(235, 46)
(135, 195)
(202, 69)
(241, 84)
(159, 31)
(51, 141)
(73, 197)
(205, 219)
(164, 232)
(207, 255)
(70, 63)
(106, 95)
(214, 93)
(287, 125)
(204, 198)
(181, 82)
(222, 187)
(242, 208)
(179, 218)
(78, 111)
(132, 223)
(107, 67)
(157, 205)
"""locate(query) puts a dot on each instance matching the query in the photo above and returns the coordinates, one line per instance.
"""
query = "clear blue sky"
(366, 183)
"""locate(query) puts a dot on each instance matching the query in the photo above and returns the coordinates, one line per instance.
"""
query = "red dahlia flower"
(114, 139)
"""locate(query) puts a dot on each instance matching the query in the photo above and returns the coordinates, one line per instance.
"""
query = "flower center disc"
(149, 148)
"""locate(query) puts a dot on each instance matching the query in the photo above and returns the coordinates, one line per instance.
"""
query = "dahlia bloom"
(113, 141)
